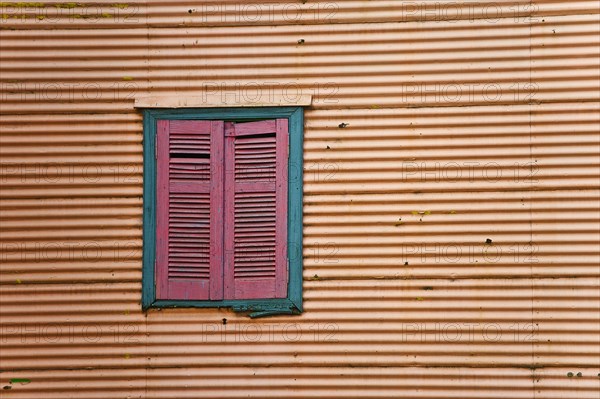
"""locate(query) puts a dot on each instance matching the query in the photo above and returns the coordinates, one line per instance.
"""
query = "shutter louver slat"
(256, 210)
(189, 154)
(189, 170)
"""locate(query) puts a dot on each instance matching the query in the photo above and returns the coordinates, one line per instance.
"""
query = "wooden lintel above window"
(226, 99)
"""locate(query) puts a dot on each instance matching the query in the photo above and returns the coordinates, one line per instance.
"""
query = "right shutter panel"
(189, 210)
(256, 155)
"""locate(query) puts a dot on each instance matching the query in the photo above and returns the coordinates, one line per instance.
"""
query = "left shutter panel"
(189, 204)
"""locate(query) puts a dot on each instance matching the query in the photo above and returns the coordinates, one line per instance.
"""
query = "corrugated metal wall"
(451, 228)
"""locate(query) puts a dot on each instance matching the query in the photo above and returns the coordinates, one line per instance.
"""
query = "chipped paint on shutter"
(434, 127)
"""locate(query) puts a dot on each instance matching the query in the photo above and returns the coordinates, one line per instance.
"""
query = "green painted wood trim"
(223, 113)
(258, 308)
(295, 178)
(149, 219)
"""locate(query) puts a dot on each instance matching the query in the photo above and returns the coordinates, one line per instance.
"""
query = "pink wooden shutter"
(189, 210)
(256, 155)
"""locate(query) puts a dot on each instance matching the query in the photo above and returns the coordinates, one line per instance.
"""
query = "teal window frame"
(256, 307)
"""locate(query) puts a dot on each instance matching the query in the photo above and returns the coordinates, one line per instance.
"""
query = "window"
(223, 209)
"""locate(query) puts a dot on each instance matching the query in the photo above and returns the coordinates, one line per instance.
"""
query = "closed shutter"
(256, 155)
(189, 229)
